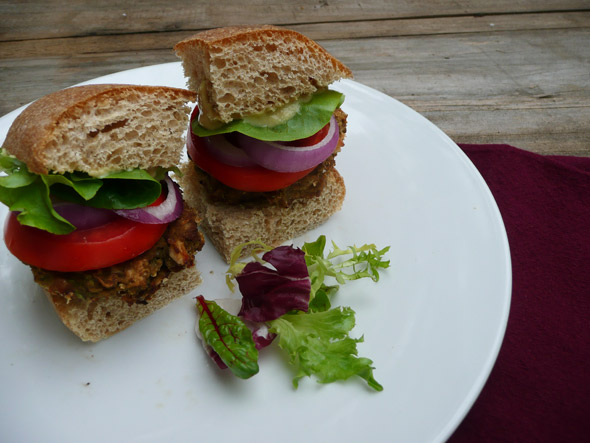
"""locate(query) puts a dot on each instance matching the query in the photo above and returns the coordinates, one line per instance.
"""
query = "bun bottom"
(97, 319)
(228, 226)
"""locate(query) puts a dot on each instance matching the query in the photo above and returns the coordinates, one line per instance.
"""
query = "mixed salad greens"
(287, 296)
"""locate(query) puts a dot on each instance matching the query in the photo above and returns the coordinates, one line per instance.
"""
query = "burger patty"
(309, 186)
(135, 280)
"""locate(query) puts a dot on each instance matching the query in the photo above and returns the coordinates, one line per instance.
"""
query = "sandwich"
(93, 209)
(264, 135)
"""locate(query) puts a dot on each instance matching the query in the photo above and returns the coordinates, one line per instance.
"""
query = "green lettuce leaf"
(122, 190)
(318, 344)
(30, 194)
(312, 116)
(229, 337)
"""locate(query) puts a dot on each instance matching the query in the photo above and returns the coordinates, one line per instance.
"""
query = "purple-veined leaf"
(228, 337)
(269, 293)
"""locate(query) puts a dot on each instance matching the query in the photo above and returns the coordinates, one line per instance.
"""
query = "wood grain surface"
(513, 71)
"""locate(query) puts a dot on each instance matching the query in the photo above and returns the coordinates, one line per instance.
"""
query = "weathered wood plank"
(24, 80)
(506, 67)
(447, 25)
(319, 32)
(559, 130)
(530, 88)
(56, 18)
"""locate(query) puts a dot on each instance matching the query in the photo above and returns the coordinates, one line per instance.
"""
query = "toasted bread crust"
(99, 318)
(61, 131)
(246, 70)
(213, 39)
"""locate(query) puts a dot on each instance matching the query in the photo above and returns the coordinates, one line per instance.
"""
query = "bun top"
(99, 129)
(246, 70)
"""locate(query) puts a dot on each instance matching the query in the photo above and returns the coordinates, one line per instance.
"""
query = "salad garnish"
(287, 296)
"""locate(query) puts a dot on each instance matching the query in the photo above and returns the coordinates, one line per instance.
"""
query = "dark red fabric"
(539, 388)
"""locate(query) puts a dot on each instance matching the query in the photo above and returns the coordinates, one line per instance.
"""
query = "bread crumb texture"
(250, 70)
(228, 226)
(99, 129)
(96, 319)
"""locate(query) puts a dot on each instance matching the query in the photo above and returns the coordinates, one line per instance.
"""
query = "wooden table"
(484, 71)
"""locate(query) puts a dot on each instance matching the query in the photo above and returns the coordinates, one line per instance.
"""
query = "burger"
(264, 135)
(93, 209)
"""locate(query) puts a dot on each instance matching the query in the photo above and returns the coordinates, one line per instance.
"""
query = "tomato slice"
(249, 178)
(84, 249)
(311, 140)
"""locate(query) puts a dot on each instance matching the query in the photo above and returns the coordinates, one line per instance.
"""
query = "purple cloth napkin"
(539, 388)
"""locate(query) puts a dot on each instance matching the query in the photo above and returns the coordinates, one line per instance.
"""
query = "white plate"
(433, 325)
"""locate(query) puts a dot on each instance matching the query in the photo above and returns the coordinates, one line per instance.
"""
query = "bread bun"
(102, 128)
(101, 317)
(246, 70)
(229, 225)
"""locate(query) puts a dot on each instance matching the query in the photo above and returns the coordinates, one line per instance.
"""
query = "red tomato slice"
(250, 179)
(311, 140)
(81, 250)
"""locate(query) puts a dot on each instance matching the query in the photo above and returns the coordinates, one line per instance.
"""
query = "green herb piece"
(312, 116)
(27, 193)
(229, 337)
(351, 263)
(318, 344)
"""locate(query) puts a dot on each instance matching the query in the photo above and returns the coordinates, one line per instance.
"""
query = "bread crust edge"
(28, 136)
(97, 319)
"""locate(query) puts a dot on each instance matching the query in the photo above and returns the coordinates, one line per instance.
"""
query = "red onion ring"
(284, 158)
(166, 212)
(83, 217)
(226, 152)
(220, 147)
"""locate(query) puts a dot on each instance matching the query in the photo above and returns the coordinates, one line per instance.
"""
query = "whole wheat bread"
(246, 70)
(99, 318)
(228, 225)
(102, 128)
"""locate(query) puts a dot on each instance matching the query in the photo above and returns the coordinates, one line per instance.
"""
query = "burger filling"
(135, 280)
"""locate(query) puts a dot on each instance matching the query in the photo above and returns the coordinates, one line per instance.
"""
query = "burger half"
(93, 210)
(264, 135)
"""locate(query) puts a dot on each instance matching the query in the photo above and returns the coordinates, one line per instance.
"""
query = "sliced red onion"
(283, 158)
(220, 147)
(226, 152)
(83, 217)
(166, 212)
